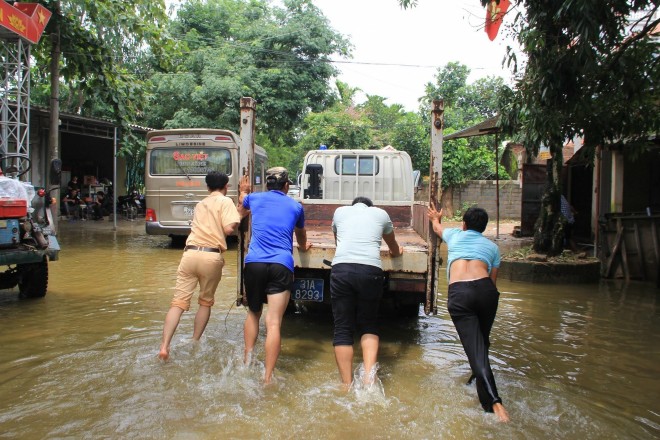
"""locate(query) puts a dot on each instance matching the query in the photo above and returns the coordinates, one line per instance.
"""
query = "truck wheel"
(33, 279)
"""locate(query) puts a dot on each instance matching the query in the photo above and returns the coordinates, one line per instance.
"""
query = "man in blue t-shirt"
(268, 273)
(472, 264)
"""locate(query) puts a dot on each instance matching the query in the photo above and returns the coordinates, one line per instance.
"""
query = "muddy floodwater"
(570, 361)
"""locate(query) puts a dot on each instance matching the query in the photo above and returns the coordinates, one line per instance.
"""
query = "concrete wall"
(483, 193)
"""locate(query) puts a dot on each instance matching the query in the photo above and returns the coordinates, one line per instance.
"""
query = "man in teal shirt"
(473, 261)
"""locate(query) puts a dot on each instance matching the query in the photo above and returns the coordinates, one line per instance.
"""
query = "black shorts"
(262, 279)
(355, 291)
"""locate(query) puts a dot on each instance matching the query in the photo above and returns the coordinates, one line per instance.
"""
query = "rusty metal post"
(435, 194)
(246, 165)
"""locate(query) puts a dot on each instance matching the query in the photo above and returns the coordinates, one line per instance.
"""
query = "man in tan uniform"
(215, 217)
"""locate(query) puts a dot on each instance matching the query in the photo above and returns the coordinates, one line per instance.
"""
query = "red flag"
(494, 13)
(27, 20)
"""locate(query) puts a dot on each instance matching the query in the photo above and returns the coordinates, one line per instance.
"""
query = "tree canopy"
(591, 71)
(233, 48)
(465, 105)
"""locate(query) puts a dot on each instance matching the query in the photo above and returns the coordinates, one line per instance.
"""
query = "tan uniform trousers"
(195, 267)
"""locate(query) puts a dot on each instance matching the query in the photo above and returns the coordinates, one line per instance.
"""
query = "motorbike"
(131, 206)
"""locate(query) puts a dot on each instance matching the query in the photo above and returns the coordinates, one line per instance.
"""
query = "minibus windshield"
(189, 161)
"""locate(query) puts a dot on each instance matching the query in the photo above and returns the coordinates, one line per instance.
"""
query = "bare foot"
(164, 354)
(345, 387)
(501, 413)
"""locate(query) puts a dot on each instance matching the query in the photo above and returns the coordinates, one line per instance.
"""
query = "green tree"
(234, 48)
(372, 124)
(592, 70)
(86, 61)
(465, 105)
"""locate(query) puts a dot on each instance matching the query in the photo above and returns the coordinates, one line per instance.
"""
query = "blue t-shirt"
(274, 216)
(470, 245)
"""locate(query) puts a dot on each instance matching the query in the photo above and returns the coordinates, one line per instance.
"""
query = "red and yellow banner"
(28, 20)
(494, 13)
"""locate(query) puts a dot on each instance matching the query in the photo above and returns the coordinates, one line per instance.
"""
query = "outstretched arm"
(435, 218)
(244, 188)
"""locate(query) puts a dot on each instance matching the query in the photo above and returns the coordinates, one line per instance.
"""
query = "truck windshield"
(347, 165)
(189, 161)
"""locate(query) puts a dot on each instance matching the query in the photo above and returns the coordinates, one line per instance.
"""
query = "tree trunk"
(549, 227)
(54, 127)
(447, 202)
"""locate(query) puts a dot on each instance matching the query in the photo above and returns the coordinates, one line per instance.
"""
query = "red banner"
(494, 13)
(27, 20)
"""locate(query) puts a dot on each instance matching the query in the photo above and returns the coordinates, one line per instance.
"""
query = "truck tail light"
(151, 215)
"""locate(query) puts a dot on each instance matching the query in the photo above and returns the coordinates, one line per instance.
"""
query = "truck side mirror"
(55, 171)
(314, 190)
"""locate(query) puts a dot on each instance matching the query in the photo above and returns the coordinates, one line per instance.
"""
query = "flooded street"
(570, 361)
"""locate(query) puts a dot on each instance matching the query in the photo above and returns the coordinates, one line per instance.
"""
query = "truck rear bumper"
(156, 228)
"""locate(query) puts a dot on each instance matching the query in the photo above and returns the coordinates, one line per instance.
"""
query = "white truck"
(333, 178)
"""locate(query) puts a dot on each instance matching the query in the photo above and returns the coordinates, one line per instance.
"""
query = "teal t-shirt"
(470, 245)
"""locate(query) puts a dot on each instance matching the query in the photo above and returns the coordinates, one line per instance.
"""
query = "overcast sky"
(426, 37)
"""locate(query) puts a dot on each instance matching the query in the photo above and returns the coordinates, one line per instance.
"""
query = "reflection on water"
(570, 361)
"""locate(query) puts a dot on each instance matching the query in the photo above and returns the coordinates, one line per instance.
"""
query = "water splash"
(367, 386)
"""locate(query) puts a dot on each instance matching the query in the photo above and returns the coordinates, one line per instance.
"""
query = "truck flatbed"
(414, 258)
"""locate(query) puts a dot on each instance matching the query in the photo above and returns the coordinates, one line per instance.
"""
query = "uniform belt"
(201, 248)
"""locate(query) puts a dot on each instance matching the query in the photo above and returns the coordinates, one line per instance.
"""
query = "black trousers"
(472, 306)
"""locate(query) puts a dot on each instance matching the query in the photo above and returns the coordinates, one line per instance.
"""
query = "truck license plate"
(308, 289)
(188, 211)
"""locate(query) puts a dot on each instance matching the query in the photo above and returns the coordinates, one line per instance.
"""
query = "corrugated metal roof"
(489, 126)
(81, 124)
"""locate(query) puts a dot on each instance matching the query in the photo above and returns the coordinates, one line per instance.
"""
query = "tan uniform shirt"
(211, 214)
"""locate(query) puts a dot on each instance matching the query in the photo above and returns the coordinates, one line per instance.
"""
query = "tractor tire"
(33, 279)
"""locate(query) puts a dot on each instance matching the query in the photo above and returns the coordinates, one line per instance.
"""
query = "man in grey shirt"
(356, 282)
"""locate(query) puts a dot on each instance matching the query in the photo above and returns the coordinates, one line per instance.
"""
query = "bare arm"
(435, 218)
(493, 274)
(244, 188)
(301, 238)
(390, 240)
(230, 228)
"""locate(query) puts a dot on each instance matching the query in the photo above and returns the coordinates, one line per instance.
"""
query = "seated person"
(73, 184)
(72, 204)
(99, 207)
